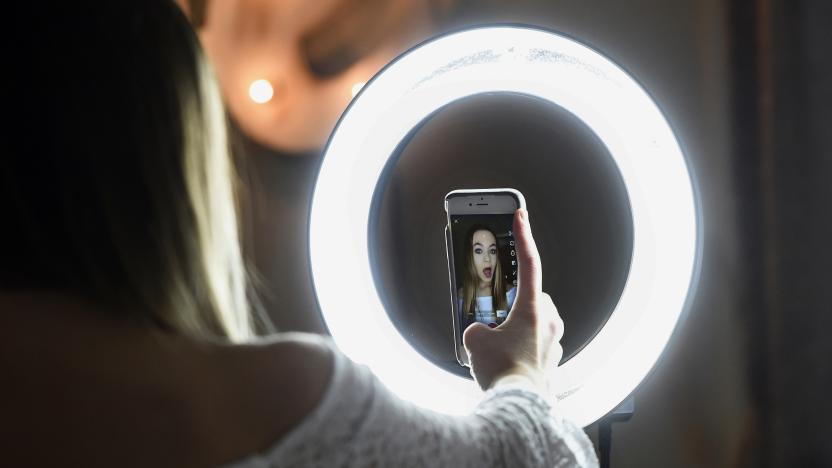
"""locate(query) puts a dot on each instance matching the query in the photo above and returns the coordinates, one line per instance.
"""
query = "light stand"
(621, 414)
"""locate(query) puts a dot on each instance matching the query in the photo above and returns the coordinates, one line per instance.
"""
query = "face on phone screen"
(485, 268)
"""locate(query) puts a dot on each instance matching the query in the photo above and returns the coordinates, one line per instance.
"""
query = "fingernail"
(523, 216)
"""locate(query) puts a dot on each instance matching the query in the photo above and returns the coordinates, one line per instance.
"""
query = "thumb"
(474, 335)
(529, 275)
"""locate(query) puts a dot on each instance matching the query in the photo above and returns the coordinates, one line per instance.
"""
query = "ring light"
(552, 67)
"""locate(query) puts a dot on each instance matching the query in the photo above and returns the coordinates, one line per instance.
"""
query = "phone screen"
(485, 268)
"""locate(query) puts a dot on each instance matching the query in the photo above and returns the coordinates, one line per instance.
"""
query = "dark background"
(745, 84)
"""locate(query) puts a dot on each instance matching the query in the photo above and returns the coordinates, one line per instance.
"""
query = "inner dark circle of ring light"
(577, 201)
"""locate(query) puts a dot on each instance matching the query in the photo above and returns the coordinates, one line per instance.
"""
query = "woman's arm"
(359, 422)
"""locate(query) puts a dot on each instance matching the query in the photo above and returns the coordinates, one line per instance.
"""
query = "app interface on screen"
(485, 266)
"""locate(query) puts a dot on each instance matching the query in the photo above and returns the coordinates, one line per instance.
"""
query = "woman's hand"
(526, 347)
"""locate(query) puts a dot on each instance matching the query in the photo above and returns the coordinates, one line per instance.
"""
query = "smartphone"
(482, 260)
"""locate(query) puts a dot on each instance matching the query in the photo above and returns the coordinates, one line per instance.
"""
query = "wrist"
(522, 377)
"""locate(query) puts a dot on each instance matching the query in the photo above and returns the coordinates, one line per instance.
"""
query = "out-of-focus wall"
(783, 158)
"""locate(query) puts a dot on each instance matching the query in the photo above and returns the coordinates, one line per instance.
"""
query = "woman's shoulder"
(286, 364)
(291, 344)
(272, 384)
(223, 401)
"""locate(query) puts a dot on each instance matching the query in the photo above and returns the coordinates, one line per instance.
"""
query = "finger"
(529, 276)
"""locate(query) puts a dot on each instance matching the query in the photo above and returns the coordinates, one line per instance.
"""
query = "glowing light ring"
(580, 80)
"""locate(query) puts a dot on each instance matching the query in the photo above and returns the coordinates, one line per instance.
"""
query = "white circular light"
(260, 91)
(554, 68)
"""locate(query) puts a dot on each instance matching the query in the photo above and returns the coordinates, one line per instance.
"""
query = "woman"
(483, 296)
(124, 318)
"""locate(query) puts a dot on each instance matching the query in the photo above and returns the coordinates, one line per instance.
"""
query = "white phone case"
(503, 195)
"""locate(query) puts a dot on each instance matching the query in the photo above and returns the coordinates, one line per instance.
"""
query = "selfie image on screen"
(485, 266)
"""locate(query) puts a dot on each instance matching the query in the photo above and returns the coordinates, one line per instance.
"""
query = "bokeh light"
(261, 91)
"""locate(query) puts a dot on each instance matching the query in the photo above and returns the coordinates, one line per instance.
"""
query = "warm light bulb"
(260, 91)
(357, 87)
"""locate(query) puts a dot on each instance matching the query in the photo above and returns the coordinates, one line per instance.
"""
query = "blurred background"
(745, 84)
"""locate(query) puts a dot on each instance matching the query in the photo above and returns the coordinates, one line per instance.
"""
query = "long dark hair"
(116, 178)
(471, 280)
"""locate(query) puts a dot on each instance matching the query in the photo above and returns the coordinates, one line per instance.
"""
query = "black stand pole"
(605, 442)
(621, 414)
